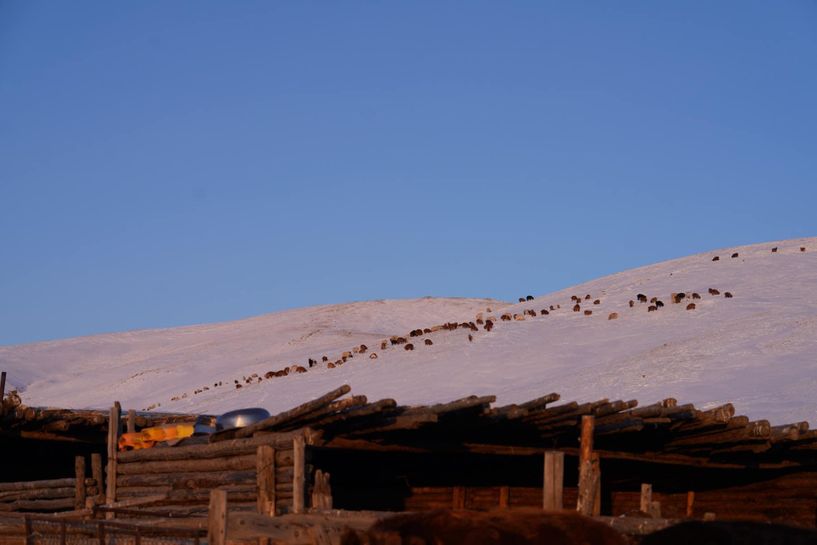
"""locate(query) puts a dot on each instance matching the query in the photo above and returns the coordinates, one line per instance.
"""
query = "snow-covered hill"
(757, 349)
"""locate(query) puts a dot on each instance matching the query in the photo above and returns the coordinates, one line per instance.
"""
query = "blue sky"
(168, 163)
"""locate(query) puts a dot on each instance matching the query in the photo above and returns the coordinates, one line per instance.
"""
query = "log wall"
(44, 496)
(186, 474)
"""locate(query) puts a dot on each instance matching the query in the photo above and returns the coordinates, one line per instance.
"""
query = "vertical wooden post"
(298, 480)
(587, 485)
(217, 518)
(690, 503)
(79, 485)
(98, 475)
(265, 477)
(458, 498)
(29, 532)
(2, 391)
(646, 498)
(552, 488)
(113, 449)
(131, 421)
(504, 497)
(597, 480)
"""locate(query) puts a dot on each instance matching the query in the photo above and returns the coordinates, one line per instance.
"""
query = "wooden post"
(690, 503)
(265, 477)
(113, 449)
(217, 518)
(458, 500)
(298, 480)
(552, 491)
(646, 498)
(597, 480)
(587, 485)
(79, 487)
(2, 391)
(98, 475)
(131, 421)
(504, 497)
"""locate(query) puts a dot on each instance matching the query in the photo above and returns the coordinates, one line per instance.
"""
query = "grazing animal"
(696, 295)
(597, 302)
(426, 330)
(641, 298)
(480, 321)
(339, 363)
(802, 248)
(574, 298)
(727, 294)
(330, 365)
(505, 317)
(716, 258)
(713, 291)
(576, 307)
(238, 386)
(531, 312)
(343, 359)
(373, 355)
(588, 312)
(428, 342)
(551, 307)
(383, 345)
(544, 312)
(517, 527)
(416, 333)
(558, 306)
(652, 308)
(519, 317)
(653, 300)
(470, 338)
(325, 359)
(719, 532)
(735, 255)
(489, 325)
(632, 303)
(409, 346)
(363, 348)
(659, 303)
(521, 299)
(587, 297)
(774, 250)
(529, 298)
(268, 374)
(346, 355)
(613, 316)
(299, 369)
(398, 340)
(678, 297)
(691, 306)
(312, 363)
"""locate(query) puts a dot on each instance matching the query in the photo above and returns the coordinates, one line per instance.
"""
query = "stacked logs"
(44, 496)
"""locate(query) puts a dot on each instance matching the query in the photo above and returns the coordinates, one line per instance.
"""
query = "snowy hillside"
(757, 349)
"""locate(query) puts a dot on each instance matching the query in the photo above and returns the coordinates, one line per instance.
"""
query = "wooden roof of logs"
(662, 432)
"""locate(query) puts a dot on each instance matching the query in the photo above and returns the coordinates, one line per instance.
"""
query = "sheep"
(480, 321)
(363, 348)
(384, 345)
(659, 303)
(613, 316)
(346, 355)
(716, 258)
(312, 363)
(489, 325)
(653, 300)
(587, 297)
(774, 250)
(574, 298)
(551, 308)
(409, 346)
(678, 297)
(238, 386)
(299, 369)
(691, 306)
(713, 291)
(802, 248)
(597, 302)
(373, 355)
(652, 308)
(428, 342)
(519, 317)
(696, 295)
(330, 365)
(632, 303)
(735, 255)
(324, 359)
(521, 299)
(531, 312)
(727, 294)
(576, 307)
(269, 374)
(641, 298)
(426, 330)
(505, 317)
(588, 312)
(398, 340)
(529, 298)
(544, 312)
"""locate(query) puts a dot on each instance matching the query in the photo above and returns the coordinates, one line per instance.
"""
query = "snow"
(757, 350)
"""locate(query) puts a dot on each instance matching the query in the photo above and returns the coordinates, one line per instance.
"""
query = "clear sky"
(168, 163)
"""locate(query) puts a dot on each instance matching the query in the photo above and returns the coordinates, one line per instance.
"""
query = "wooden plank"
(265, 476)
(278, 440)
(2, 391)
(458, 498)
(298, 478)
(690, 504)
(227, 463)
(280, 418)
(113, 450)
(131, 421)
(587, 487)
(79, 477)
(217, 518)
(553, 481)
(34, 485)
(98, 475)
(504, 497)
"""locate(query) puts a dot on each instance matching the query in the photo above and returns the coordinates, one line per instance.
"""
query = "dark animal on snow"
(470, 338)
(641, 298)
(696, 295)
(713, 291)
(426, 330)
(237, 386)
(588, 312)
(312, 363)
(269, 374)
(802, 248)
(551, 307)
(544, 312)
(363, 348)
(398, 340)
(678, 297)
(517, 527)
(718, 532)
(654, 299)
(691, 306)
(324, 359)
(489, 325)
(521, 299)
(409, 346)
(505, 317)
(576, 308)
(651, 308)
(613, 316)
(659, 303)
(529, 298)
(632, 303)
(480, 321)
(597, 302)
(774, 250)
(383, 345)
(373, 355)
(727, 294)
(587, 296)
(428, 342)
(574, 298)
(716, 258)
(735, 255)
(299, 369)
(330, 365)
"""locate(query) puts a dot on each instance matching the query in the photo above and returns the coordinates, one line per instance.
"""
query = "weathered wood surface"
(279, 441)
(323, 528)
